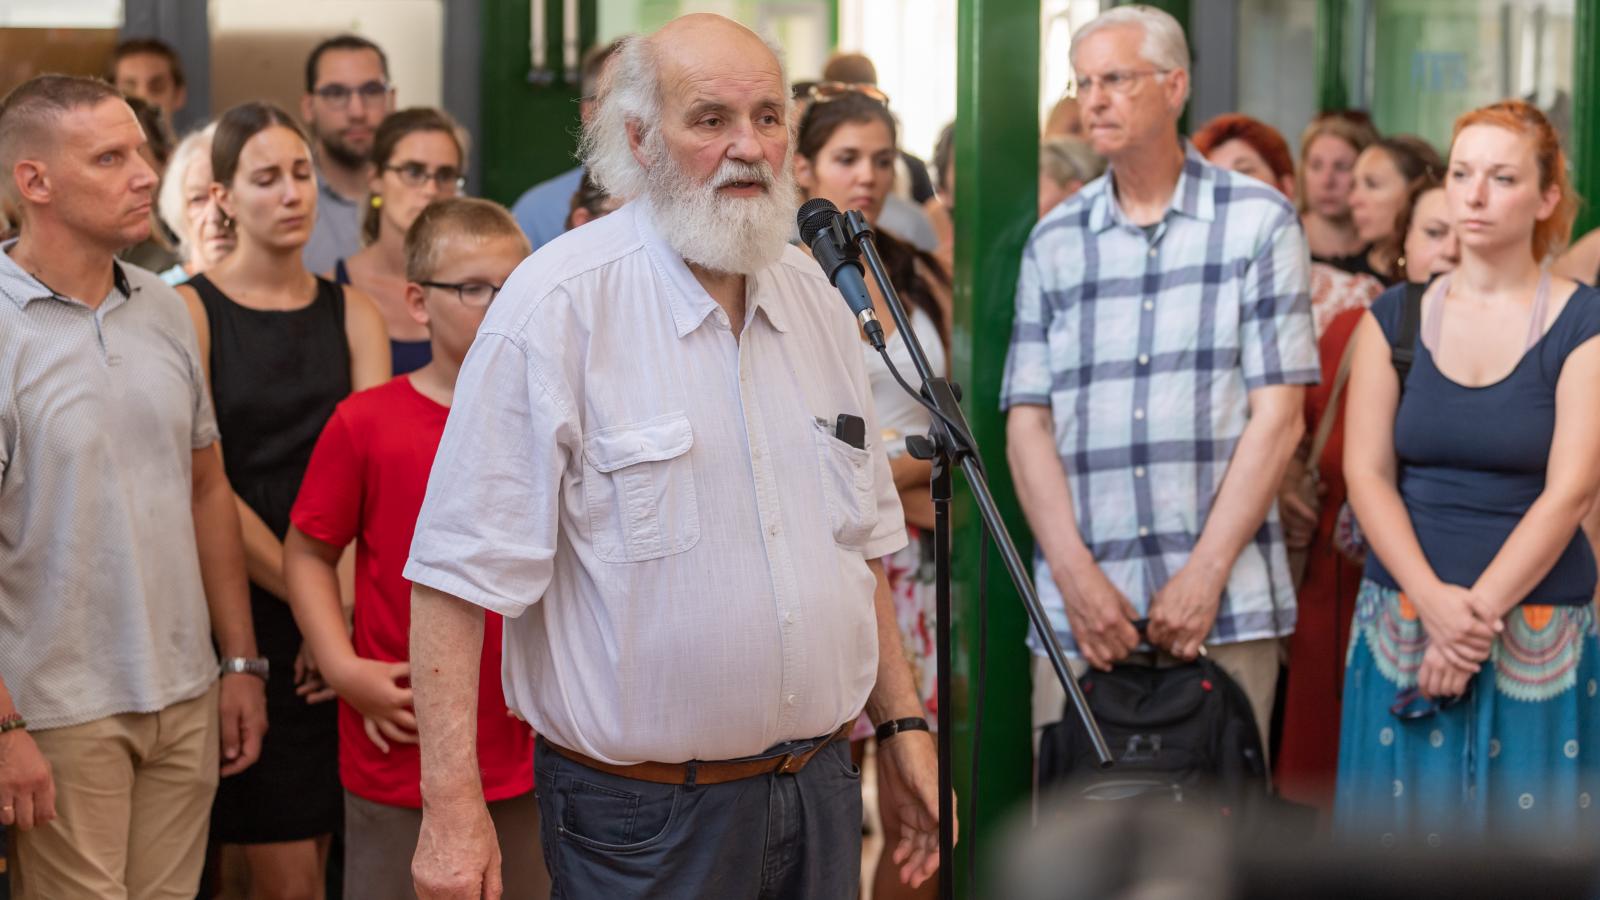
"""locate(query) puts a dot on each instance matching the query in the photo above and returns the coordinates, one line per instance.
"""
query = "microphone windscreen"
(814, 216)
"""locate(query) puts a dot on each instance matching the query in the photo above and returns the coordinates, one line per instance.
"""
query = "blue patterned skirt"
(1518, 757)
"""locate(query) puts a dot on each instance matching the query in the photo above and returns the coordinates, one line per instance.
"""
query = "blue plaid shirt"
(1145, 349)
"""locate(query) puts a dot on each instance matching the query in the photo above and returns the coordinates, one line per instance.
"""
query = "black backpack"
(1183, 733)
(1403, 350)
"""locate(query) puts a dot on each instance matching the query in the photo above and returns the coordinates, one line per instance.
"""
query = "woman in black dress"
(282, 348)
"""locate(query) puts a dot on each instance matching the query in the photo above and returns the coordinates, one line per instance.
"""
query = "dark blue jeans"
(783, 837)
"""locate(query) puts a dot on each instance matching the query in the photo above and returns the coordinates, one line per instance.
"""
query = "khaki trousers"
(380, 840)
(1252, 664)
(133, 803)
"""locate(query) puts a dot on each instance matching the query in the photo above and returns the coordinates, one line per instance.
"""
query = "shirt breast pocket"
(638, 484)
(846, 488)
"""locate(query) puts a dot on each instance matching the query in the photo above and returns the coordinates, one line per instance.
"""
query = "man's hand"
(458, 855)
(1100, 617)
(374, 688)
(1183, 611)
(27, 789)
(242, 706)
(910, 762)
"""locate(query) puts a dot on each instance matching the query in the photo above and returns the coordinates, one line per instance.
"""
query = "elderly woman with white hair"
(188, 209)
(1066, 164)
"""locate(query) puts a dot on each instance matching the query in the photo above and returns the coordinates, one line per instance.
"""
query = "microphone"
(820, 229)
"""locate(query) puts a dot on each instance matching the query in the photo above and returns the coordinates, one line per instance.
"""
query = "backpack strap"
(1403, 351)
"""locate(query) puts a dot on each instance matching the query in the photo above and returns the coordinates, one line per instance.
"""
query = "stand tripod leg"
(942, 489)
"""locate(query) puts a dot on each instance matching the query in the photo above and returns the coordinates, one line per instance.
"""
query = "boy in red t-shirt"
(365, 483)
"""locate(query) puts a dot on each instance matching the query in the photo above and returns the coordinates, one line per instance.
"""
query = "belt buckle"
(789, 759)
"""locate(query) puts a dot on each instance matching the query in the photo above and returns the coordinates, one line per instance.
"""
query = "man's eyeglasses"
(823, 91)
(1118, 82)
(476, 294)
(338, 95)
(448, 179)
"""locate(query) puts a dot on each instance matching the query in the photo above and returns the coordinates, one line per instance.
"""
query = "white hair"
(1164, 47)
(630, 94)
(171, 204)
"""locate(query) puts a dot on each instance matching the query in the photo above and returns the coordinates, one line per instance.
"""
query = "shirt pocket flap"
(654, 440)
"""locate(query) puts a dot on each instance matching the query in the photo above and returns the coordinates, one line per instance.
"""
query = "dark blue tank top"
(404, 356)
(1472, 460)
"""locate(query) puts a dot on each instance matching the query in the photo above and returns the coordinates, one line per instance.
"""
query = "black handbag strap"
(1403, 352)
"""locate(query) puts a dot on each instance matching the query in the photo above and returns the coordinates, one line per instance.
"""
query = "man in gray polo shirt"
(120, 554)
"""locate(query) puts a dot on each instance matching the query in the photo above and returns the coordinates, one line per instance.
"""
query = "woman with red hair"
(1473, 668)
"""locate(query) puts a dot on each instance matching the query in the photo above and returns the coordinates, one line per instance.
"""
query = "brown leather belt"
(707, 772)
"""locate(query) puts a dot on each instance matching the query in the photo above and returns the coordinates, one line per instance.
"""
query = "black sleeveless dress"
(275, 379)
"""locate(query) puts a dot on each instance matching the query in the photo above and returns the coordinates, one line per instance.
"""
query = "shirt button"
(788, 617)
(772, 530)
(1152, 253)
(1138, 414)
(1149, 304)
(1144, 359)
(1143, 531)
(789, 700)
(1138, 471)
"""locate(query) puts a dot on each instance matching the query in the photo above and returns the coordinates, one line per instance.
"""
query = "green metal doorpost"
(996, 164)
(1586, 113)
(529, 130)
(1333, 91)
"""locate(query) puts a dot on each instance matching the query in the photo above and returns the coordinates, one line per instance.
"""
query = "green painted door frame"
(528, 130)
(1333, 88)
(996, 158)
(1585, 135)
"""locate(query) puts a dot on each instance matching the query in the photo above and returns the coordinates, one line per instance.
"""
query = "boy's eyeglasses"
(476, 294)
(448, 179)
(338, 95)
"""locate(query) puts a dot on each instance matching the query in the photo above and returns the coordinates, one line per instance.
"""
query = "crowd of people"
(575, 549)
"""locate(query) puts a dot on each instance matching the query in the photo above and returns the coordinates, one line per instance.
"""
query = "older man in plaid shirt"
(1154, 383)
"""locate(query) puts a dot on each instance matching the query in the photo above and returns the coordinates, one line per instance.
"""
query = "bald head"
(706, 43)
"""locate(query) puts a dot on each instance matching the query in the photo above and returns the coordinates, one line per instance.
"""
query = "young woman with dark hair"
(281, 348)
(417, 157)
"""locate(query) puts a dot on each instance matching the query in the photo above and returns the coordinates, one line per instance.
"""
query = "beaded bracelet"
(12, 722)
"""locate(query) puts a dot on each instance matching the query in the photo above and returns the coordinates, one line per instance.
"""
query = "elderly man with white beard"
(655, 469)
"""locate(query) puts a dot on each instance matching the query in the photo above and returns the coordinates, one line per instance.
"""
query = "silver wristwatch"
(243, 665)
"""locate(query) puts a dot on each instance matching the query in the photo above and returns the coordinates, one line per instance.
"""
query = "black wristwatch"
(894, 726)
(244, 665)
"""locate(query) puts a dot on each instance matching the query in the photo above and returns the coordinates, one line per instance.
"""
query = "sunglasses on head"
(1410, 704)
(823, 91)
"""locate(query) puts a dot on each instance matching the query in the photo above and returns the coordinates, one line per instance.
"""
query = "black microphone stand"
(950, 444)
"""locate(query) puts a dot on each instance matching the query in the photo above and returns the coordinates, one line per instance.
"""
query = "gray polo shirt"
(101, 605)
(337, 232)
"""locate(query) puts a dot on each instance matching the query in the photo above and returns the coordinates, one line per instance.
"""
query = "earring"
(377, 202)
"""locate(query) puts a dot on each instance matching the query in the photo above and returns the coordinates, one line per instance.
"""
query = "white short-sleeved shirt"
(662, 512)
(102, 610)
